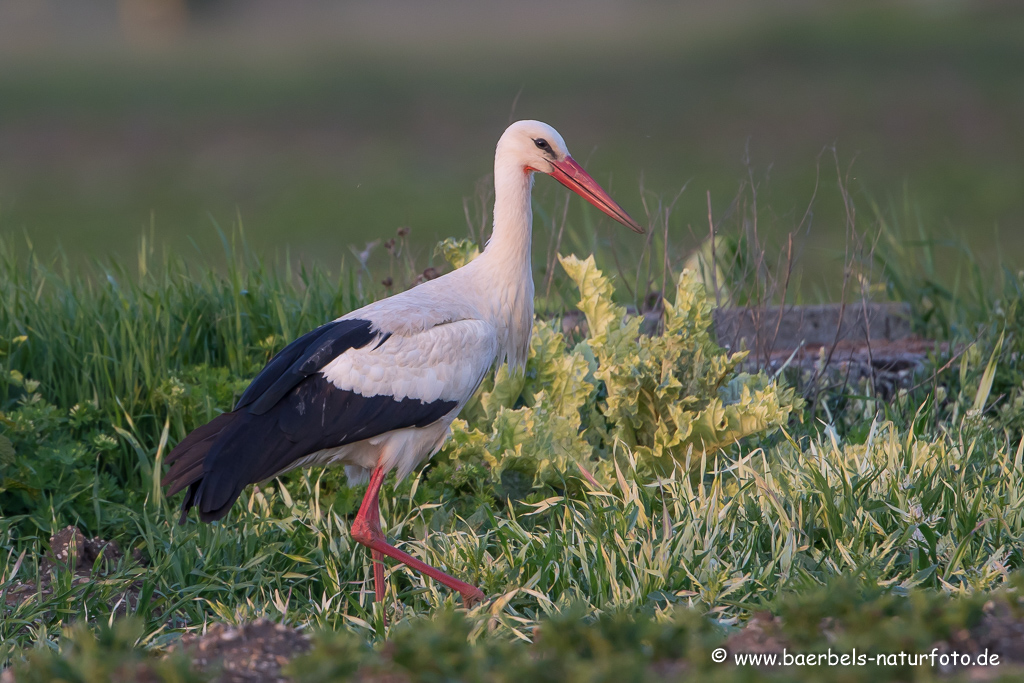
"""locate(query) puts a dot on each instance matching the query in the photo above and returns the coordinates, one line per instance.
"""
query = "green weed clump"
(670, 399)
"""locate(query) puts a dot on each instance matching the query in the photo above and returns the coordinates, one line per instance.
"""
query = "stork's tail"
(188, 457)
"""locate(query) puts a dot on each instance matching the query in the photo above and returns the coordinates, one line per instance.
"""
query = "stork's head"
(536, 146)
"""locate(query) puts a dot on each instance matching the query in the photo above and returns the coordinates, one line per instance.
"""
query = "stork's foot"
(366, 530)
(473, 596)
(379, 547)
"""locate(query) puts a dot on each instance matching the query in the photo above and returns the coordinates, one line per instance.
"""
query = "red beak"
(572, 175)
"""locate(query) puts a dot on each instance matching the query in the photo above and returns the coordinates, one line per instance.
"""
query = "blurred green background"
(322, 125)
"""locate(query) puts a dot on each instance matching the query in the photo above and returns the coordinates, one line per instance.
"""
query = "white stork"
(378, 388)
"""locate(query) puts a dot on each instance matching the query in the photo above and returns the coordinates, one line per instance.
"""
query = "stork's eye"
(542, 144)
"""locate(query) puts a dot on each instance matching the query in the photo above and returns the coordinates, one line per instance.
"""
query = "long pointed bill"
(572, 175)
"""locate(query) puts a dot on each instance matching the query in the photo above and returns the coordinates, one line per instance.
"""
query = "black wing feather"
(302, 358)
(289, 411)
(315, 415)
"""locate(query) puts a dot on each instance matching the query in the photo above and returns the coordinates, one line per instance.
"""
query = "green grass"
(101, 372)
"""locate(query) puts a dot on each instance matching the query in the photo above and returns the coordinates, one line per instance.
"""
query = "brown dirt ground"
(71, 549)
(250, 653)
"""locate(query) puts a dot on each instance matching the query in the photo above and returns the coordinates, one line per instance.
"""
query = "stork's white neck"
(505, 262)
(511, 235)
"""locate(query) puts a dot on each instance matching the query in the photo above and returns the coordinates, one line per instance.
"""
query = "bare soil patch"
(250, 653)
(71, 550)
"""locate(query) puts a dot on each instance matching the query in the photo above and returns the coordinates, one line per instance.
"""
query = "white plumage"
(377, 389)
(447, 361)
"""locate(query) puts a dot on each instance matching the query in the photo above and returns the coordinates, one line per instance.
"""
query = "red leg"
(366, 530)
(370, 510)
(378, 575)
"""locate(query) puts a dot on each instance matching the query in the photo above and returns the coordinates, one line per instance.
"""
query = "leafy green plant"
(52, 461)
(675, 397)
